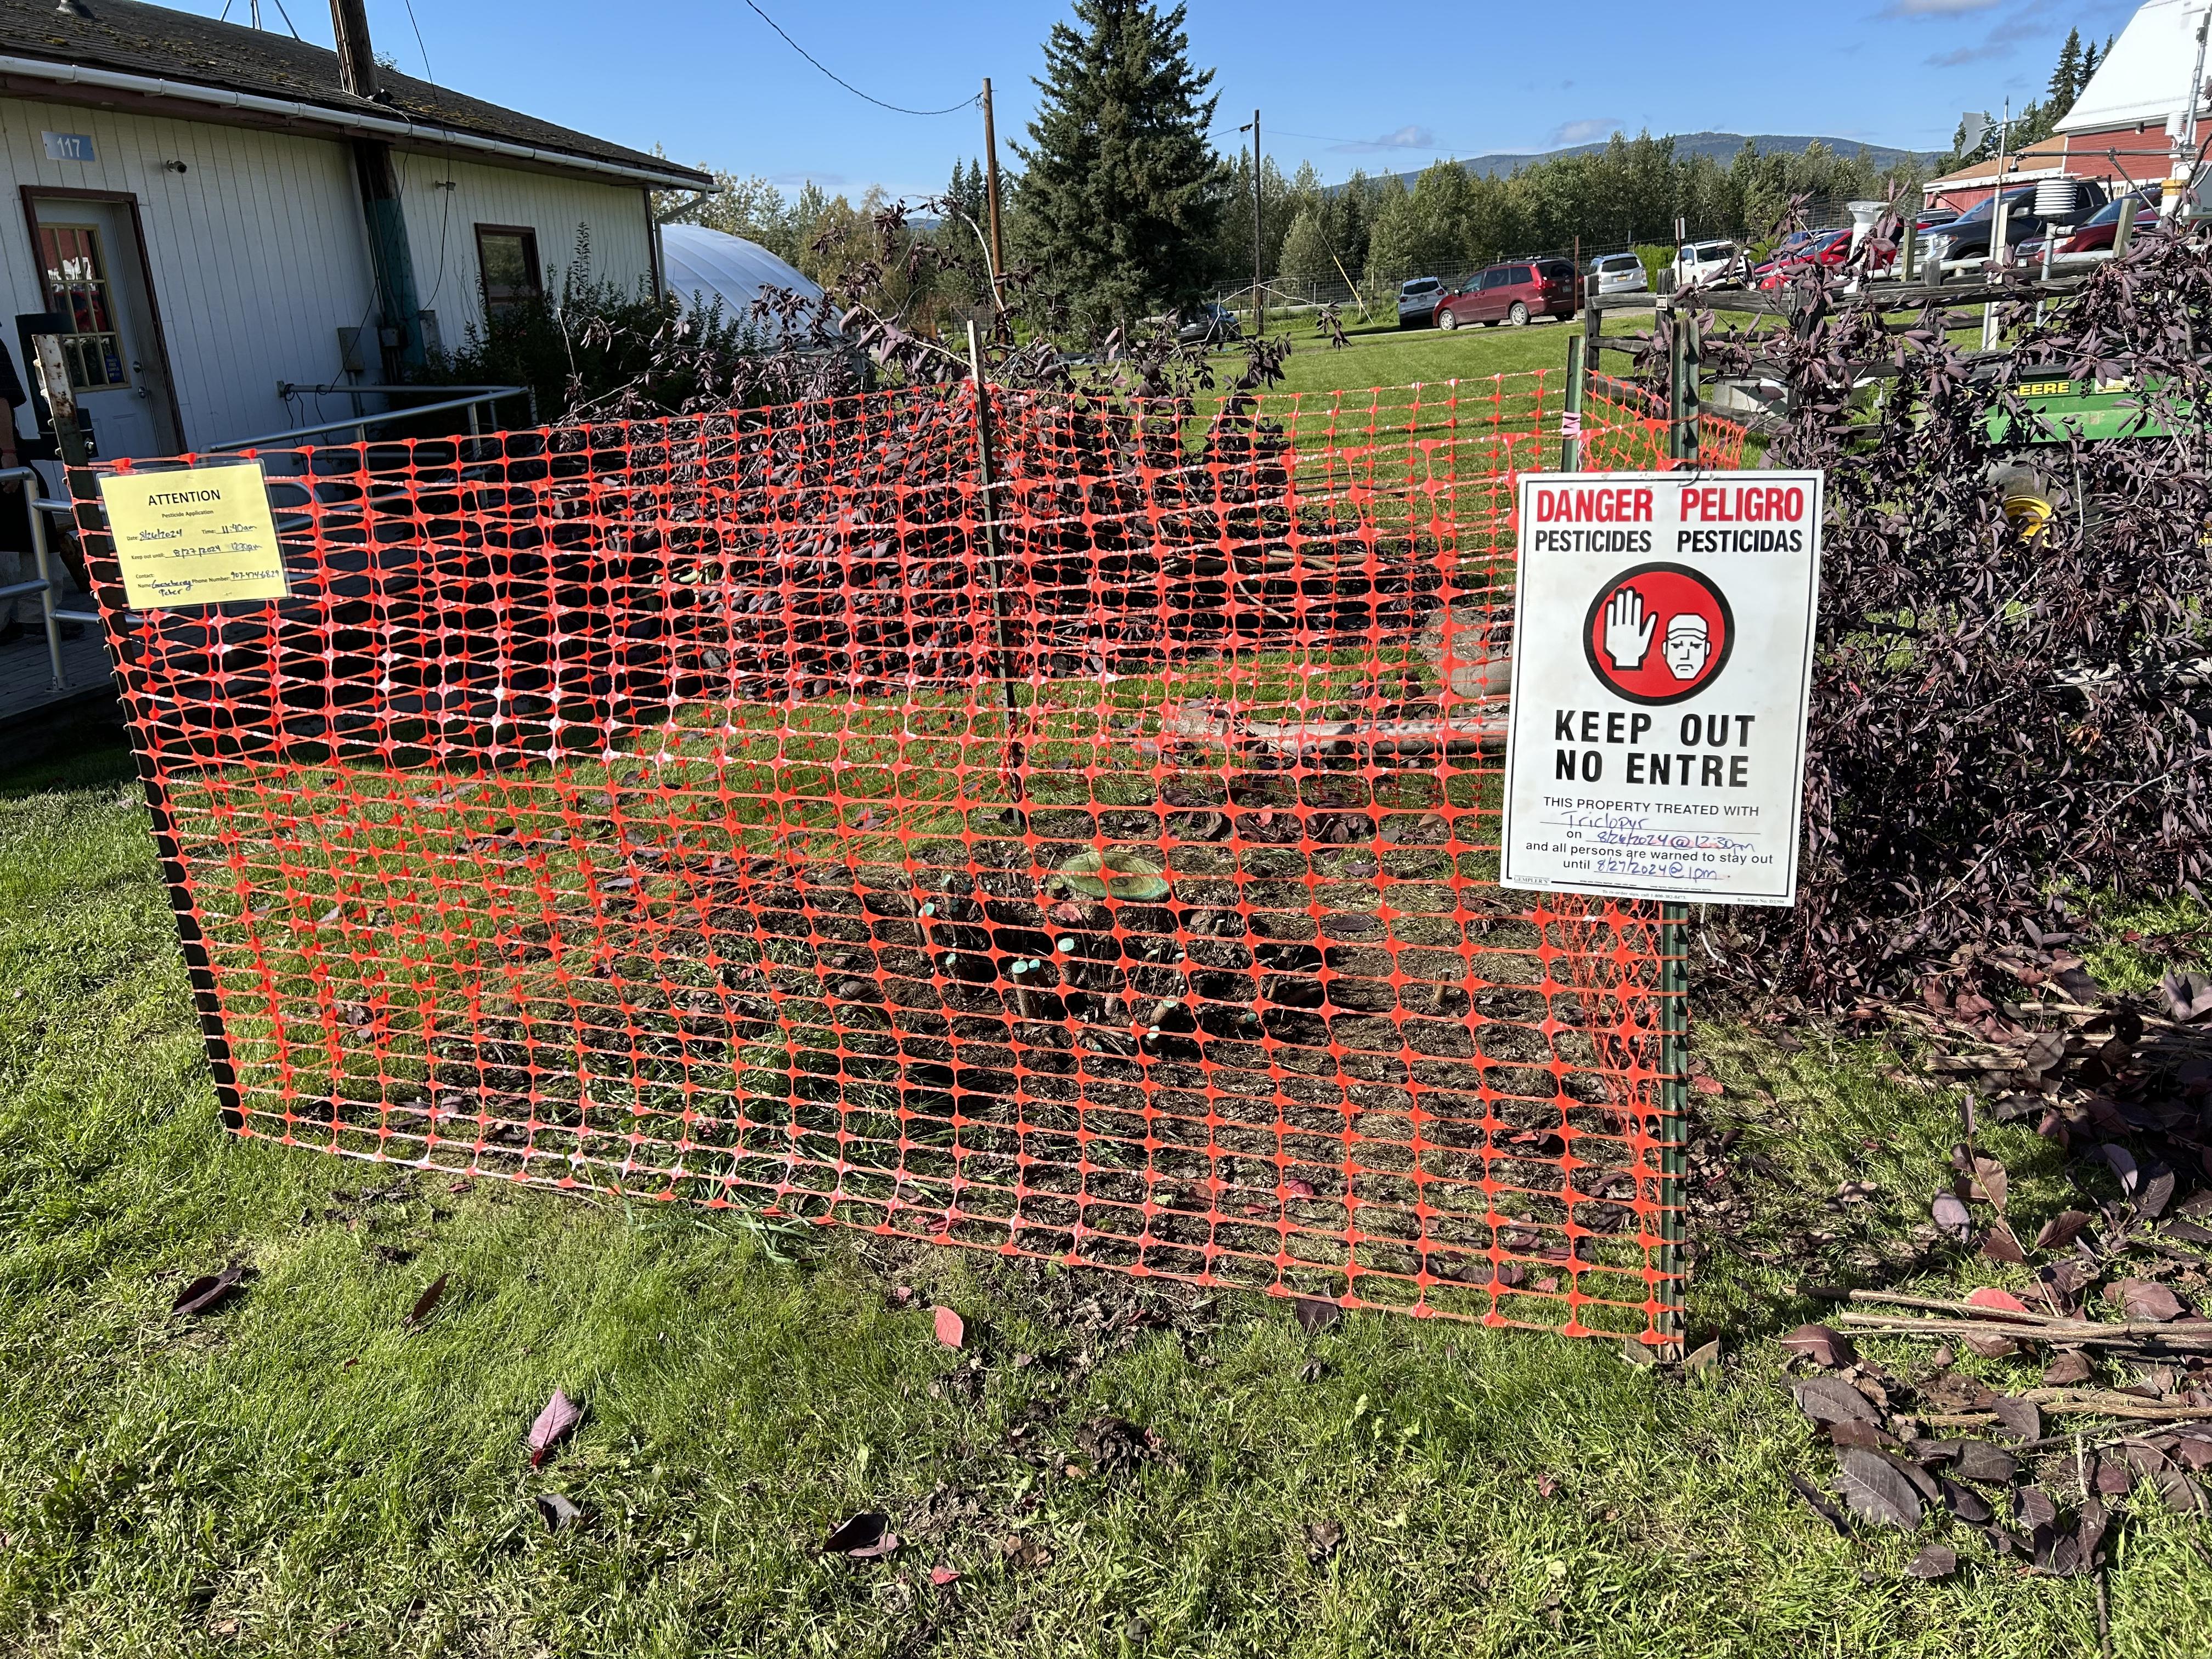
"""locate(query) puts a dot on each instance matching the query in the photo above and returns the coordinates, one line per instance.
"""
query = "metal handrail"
(360, 424)
(295, 388)
(45, 586)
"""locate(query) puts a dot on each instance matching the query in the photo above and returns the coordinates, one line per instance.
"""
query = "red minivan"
(1511, 292)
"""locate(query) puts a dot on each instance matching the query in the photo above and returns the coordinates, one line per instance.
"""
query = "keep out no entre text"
(1691, 765)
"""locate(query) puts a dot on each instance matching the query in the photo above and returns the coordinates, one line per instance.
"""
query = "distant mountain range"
(1722, 145)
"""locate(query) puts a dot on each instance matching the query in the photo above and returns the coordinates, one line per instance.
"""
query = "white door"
(94, 274)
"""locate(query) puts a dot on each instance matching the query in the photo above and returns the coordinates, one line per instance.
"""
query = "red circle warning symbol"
(1658, 633)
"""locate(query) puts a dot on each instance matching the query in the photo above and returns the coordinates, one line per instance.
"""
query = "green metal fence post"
(1571, 419)
(1673, 918)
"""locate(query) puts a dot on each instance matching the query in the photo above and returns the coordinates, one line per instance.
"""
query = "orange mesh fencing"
(758, 809)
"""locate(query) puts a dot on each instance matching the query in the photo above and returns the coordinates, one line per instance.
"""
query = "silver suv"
(1416, 301)
(1617, 273)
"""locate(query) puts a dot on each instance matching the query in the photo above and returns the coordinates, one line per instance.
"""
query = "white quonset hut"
(215, 209)
(705, 266)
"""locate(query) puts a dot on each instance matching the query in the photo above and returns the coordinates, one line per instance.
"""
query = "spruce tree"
(2066, 78)
(1121, 192)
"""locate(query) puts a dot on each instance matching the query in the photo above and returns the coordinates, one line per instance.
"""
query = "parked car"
(1827, 247)
(1416, 301)
(1832, 248)
(1511, 292)
(2104, 225)
(1967, 236)
(1706, 262)
(1209, 324)
(1617, 273)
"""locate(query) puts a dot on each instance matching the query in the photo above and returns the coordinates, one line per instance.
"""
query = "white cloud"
(1585, 131)
(1405, 137)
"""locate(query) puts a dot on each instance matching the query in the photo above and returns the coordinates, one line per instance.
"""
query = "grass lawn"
(300, 1473)
(1388, 356)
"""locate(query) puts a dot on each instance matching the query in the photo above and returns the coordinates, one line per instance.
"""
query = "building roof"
(2145, 76)
(176, 47)
(2038, 161)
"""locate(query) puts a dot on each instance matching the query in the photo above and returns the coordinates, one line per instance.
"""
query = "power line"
(419, 46)
(950, 109)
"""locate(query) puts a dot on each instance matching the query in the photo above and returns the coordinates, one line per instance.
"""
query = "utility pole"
(1259, 305)
(991, 177)
(1258, 294)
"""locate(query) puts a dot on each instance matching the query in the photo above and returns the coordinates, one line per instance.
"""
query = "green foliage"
(1629, 192)
(1306, 253)
(1122, 196)
(1279, 202)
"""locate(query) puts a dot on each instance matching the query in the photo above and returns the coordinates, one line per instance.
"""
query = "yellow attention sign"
(194, 536)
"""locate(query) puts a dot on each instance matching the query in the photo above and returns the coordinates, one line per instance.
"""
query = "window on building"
(77, 284)
(508, 256)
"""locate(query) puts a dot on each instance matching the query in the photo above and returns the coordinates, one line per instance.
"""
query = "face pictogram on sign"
(1658, 633)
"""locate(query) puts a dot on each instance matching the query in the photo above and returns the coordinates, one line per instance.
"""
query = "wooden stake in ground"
(995, 577)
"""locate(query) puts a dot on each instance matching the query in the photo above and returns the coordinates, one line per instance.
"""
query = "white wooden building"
(219, 209)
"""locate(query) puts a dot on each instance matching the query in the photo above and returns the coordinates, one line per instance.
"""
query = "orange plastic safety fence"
(757, 809)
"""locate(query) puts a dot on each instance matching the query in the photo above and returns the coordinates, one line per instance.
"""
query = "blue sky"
(1385, 89)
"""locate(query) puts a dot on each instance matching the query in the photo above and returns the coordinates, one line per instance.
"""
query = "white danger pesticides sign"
(1662, 655)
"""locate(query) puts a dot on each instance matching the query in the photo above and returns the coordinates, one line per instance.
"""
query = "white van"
(1706, 262)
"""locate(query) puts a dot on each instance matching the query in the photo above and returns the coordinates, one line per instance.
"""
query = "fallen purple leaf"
(2061, 1230)
(1818, 1501)
(208, 1290)
(1830, 1399)
(1953, 1217)
(951, 1329)
(864, 1537)
(1879, 1489)
(559, 1513)
(1978, 1460)
(2067, 1370)
(1987, 1181)
(1316, 1315)
(1933, 1562)
(2145, 1299)
(2123, 1165)
(1821, 1344)
(2157, 1192)
(425, 1302)
(561, 1414)
(1968, 1506)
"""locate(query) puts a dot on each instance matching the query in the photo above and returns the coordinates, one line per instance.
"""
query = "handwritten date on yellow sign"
(197, 535)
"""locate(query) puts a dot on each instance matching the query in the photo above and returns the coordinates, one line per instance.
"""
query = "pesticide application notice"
(1663, 653)
(199, 535)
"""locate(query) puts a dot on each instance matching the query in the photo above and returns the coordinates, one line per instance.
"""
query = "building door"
(94, 269)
